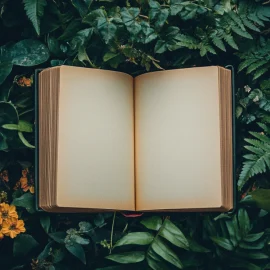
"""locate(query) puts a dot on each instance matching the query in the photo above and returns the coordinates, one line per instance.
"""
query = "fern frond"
(250, 25)
(259, 161)
(259, 73)
(246, 63)
(34, 11)
(218, 43)
(241, 32)
(256, 65)
(265, 128)
(229, 39)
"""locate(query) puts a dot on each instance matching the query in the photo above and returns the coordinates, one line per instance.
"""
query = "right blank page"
(177, 138)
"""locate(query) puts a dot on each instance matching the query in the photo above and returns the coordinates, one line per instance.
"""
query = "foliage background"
(137, 36)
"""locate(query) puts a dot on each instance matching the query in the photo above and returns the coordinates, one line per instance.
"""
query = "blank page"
(177, 138)
(95, 139)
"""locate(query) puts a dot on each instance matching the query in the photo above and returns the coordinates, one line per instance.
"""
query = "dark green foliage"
(137, 36)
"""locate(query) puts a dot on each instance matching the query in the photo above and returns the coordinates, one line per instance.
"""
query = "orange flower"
(30, 188)
(7, 211)
(24, 182)
(12, 227)
(1, 233)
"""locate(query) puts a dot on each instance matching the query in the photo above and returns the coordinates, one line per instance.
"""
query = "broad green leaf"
(152, 223)
(156, 264)
(223, 242)
(106, 29)
(24, 141)
(29, 52)
(135, 238)
(196, 247)
(78, 251)
(85, 227)
(127, 257)
(244, 222)
(99, 220)
(5, 69)
(160, 46)
(235, 262)
(253, 237)
(82, 6)
(35, 10)
(93, 16)
(79, 240)
(45, 222)
(252, 245)
(26, 201)
(173, 234)
(8, 114)
(261, 198)
(54, 46)
(3, 142)
(58, 237)
(25, 126)
(45, 252)
(10, 126)
(23, 244)
(166, 253)
(73, 27)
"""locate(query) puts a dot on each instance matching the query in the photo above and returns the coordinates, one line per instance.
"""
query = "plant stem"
(112, 232)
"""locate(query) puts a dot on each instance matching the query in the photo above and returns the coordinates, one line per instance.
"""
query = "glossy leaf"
(127, 257)
(78, 251)
(173, 234)
(223, 242)
(23, 244)
(136, 238)
(29, 52)
(45, 222)
(166, 253)
(5, 69)
(152, 223)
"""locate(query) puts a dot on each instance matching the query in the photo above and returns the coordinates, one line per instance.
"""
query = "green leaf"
(45, 222)
(78, 251)
(262, 198)
(80, 240)
(23, 244)
(127, 257)
(135, 238)
(3, 142)
(160, 46)
(99, 220)
(106, 29)
(173, 234)
(58, 237)
(152, 223)
(166, 253)
(26, 201)
(35, 10)
(196, 247)
(10, 126)
(223, 242)
(25, 126)
(73, 27)
(45, 252)
(24, 141)
(82, 6)
(29, 52)
(5, 69)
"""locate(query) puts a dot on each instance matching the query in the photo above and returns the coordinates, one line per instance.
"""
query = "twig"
(112, 232)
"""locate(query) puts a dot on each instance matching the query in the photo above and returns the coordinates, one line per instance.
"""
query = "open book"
(160, 141)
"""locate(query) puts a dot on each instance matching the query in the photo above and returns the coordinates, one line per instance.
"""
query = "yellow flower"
(12, 227)
(7, 211)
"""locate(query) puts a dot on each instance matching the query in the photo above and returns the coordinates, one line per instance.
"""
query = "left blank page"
(95, 140)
